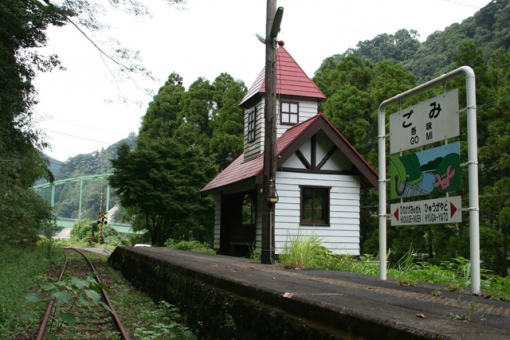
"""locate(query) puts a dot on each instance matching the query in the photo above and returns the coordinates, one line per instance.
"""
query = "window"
(315, 205)
(252, 119)
(249, 209)
(289, 113)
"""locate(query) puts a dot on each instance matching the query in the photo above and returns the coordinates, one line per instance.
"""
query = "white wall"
(255, 148)
(307, 109)
(217, 220)
(342, 236)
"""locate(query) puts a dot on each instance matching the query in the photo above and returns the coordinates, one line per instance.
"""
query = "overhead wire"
(88, 127)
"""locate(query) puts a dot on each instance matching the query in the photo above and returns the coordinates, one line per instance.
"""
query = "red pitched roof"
(241, 170)
(290, 79)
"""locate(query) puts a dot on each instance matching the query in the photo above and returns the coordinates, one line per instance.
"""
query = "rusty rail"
(118, 323)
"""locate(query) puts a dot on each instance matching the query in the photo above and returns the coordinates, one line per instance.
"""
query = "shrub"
(189, 245)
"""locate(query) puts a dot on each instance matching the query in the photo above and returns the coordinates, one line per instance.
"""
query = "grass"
(302, 251)
(21, 270)
(189, 245)
(24, 271)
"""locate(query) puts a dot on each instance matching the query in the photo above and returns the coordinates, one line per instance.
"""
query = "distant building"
(318, 179)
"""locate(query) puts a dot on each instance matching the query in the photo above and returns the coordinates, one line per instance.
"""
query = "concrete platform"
(305, 304)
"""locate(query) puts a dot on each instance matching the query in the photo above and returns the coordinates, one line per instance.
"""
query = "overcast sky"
(80, 109)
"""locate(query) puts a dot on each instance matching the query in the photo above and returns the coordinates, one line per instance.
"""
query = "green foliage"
(163, 323)
(303, 251)
(162, 116)
(22, 28)
(228, 119)
(85, 228)
(404, 268)
(21, 269)
(67, 196)
(23, 214)
(160, 182)
(67, 294)
(487, 29)
(190, 245)
(207, 115)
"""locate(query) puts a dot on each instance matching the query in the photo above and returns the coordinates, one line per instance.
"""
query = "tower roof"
(290, 79)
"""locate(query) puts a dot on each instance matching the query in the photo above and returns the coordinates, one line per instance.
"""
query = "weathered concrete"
(226, 297)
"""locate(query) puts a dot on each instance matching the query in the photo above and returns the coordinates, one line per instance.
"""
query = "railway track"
(81, 308)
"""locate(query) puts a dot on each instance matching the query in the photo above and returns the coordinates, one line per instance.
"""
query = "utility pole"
(273, 20)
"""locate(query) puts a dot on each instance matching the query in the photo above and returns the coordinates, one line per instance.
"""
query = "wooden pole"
(269, 140)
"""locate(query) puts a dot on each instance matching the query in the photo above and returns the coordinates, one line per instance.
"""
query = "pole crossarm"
(70, 180)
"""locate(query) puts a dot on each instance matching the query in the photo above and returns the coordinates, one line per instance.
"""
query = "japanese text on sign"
(435, 211)
(430, 121)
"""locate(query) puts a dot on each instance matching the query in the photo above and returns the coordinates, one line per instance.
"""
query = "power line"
(89, 139)
(463, 4)
(88, 127)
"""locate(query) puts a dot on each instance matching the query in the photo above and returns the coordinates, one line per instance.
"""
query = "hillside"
(67, 197)
(489, 29)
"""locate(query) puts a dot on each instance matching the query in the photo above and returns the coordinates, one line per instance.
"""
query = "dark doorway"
(238, 221)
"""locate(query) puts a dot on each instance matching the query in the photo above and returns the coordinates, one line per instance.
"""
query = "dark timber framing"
(368, 177)
(314, 165)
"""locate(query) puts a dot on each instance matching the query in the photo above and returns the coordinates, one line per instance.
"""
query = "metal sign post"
(472, 167)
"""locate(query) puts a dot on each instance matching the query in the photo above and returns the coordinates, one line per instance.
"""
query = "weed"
(255, 255)
(473, 310)
(190, 245)
(162, 323)
(436, 293)
(67, 294)
(405, 267)
(21, 270)
(302, 251)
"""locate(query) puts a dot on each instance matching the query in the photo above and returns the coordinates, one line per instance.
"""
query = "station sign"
(428, 122)
(431, 171)
(435, 211)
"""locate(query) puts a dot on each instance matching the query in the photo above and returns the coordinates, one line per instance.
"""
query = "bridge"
(75, 179)
(64, 222)
(124, 228)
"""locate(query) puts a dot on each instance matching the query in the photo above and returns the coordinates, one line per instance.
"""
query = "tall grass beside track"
(21, 270)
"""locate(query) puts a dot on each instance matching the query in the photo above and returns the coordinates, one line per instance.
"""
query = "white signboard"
(436, 211)
(428, 122)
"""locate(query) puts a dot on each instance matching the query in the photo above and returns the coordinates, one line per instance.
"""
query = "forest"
(188, 135)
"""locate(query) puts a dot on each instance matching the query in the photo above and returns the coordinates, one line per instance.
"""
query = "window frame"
(252, 125)
(326, 206)
(290, 103)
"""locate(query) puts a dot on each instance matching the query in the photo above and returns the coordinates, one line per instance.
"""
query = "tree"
(162, 116)
(160, 182)
(22, 27)
(227, 139)
(207, 115)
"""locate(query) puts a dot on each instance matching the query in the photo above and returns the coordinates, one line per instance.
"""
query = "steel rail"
(44, 323)
(108, 302)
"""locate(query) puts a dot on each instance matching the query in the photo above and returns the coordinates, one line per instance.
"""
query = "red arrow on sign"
(396, 214)
(453, 209)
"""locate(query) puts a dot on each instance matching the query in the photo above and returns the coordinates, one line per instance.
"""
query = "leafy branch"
(68, 294)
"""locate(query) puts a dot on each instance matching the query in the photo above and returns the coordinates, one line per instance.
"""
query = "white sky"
(205, 39)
